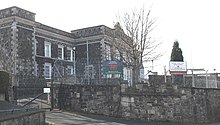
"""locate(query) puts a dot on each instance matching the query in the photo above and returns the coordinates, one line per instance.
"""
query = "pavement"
(58, 117)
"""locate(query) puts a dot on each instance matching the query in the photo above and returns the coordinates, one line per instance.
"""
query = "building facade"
(33, 52)
(95, 46)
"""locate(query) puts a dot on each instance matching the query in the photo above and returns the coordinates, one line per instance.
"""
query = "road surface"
(57, 117)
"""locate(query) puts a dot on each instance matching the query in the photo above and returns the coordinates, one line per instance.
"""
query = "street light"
(74, 62)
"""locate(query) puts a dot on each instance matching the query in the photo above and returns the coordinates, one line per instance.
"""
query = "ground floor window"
(69, 70)
(47, 70)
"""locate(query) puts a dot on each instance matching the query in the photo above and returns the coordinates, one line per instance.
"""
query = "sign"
(178, 68)
(46, 90)
(112, 67)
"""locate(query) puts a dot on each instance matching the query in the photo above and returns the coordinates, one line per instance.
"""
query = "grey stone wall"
(96, 99)
(16, 11)
(147, 102)
(170, 102)
(25, 56)
(6, 49)
(90, 31)
(28, 118)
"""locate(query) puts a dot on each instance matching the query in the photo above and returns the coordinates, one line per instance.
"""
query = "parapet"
(16, 11)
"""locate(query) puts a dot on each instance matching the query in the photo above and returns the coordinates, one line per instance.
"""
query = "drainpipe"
(35, 52)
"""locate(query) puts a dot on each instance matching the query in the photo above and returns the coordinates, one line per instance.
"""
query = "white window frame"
(47, 50)
(71, 53)
(108, 52)
(62, 51)
(125, 73)
(117, 54)
(47, 76)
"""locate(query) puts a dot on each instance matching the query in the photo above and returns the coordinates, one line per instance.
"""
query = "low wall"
(147, 102)
(171, 103)
(96, 99)
(24, 118)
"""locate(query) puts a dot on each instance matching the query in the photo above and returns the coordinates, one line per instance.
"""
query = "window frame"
(71, 54)
(108, 51)
(47, 76)
(47, 51)
(62, 52)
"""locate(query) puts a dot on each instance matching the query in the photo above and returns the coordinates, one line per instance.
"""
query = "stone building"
(94, 46)
(33, 52)
(30, 50)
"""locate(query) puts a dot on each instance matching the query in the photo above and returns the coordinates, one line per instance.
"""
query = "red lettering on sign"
(113, 67)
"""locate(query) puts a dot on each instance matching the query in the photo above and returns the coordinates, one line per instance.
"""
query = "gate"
(32, 96)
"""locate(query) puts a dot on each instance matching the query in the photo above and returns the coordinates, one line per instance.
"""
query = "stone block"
(124, 87)
(2, 97)
(151, 112)
(139, 87)
(183, 97)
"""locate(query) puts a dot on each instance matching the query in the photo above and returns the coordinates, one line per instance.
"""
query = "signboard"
(112, 67)
(46, 90)
(178, 68)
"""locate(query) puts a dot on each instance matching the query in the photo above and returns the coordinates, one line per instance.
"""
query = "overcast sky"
(194, 23)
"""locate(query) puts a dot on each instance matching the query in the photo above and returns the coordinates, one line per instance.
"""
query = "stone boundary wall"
(173, 103)
(96, 99)
(24, 118)
(147, 102)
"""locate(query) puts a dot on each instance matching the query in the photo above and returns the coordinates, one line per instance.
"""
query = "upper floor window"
(125, 56)
(60, 52)
(117, 54)
(108, 52)
(47, 49)
(69, 54)
(47, 70)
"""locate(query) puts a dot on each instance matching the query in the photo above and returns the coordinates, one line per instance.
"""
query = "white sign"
(178, 67)
(46, 90)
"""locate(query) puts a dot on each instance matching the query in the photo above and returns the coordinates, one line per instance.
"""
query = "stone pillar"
(13, 78)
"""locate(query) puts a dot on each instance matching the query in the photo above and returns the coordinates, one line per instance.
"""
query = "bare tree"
(140, 47)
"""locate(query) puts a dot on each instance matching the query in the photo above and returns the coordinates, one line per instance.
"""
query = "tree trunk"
(135, 75)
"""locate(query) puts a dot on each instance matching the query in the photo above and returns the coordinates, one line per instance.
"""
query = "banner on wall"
(112, 67)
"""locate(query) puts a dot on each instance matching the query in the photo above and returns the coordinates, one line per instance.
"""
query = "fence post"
(193, 80)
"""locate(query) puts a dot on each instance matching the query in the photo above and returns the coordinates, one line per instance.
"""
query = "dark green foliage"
(4, 82)
(176, 54)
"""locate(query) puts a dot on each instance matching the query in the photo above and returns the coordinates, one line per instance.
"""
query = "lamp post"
(87, 60)
(74, 63)
(206, 79)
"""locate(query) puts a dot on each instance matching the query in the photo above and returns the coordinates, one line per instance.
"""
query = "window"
(125, 73)
(47, 48)
(69, 70)
(47, 70)
(117, 54)
(108, 52)
(69, 54)
(109, 76)
(60, 52)
(126, 57)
